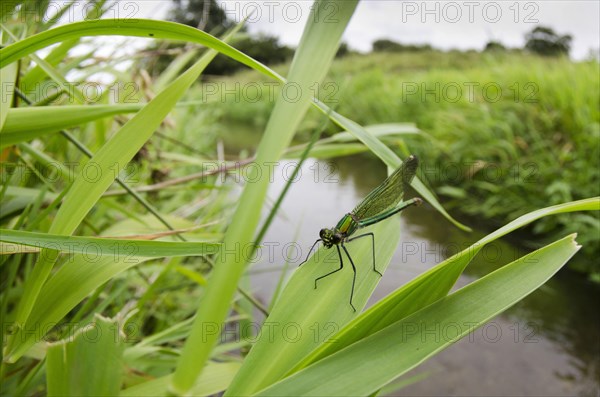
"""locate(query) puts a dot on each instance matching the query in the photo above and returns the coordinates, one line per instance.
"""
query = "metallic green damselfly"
(384, 201)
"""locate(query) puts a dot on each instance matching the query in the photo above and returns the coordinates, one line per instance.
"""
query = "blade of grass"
(37, 74)
(8, 77)
(26, 123)
(330, 151)
(125, 27)
(315, 53)
(174, 69)
(30, 122)
(106, 246)
(213, 380)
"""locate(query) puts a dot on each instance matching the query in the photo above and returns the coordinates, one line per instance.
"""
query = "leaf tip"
(573, 238)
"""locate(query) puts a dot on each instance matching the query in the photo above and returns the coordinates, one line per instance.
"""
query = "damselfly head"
(330, 237)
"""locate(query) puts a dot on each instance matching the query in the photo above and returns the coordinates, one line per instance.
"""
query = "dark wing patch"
(390, 192)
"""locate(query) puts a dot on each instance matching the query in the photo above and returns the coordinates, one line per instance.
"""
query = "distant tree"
(385, 45)
(392, 46)
(208, 16)
(494, 46)
(265, 49)
(545, 41)
(343, 50)
(202, 14)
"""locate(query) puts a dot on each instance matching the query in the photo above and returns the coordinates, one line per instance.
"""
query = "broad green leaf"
(26, 123)
(215, 378)
(89, 363)
(429, 286)
(93, 246)
(9, 249)
(329, 151)
(379, 131)
(392, 388)
(311, 62)
(340, 143)
(373, 362)
(304, 317)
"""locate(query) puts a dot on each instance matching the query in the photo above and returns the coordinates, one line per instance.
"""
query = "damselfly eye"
(337, 238)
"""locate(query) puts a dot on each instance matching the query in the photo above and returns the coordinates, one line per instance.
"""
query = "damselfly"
(384, 201)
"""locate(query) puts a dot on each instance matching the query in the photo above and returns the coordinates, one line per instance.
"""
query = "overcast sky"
(444, 24)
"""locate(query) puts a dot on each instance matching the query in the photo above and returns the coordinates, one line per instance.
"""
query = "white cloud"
(444, 24)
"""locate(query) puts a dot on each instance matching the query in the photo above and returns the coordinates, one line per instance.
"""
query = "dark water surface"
(547, 344)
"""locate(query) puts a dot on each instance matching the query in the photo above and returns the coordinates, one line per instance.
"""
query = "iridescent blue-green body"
(383, 202)
(345, 227)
